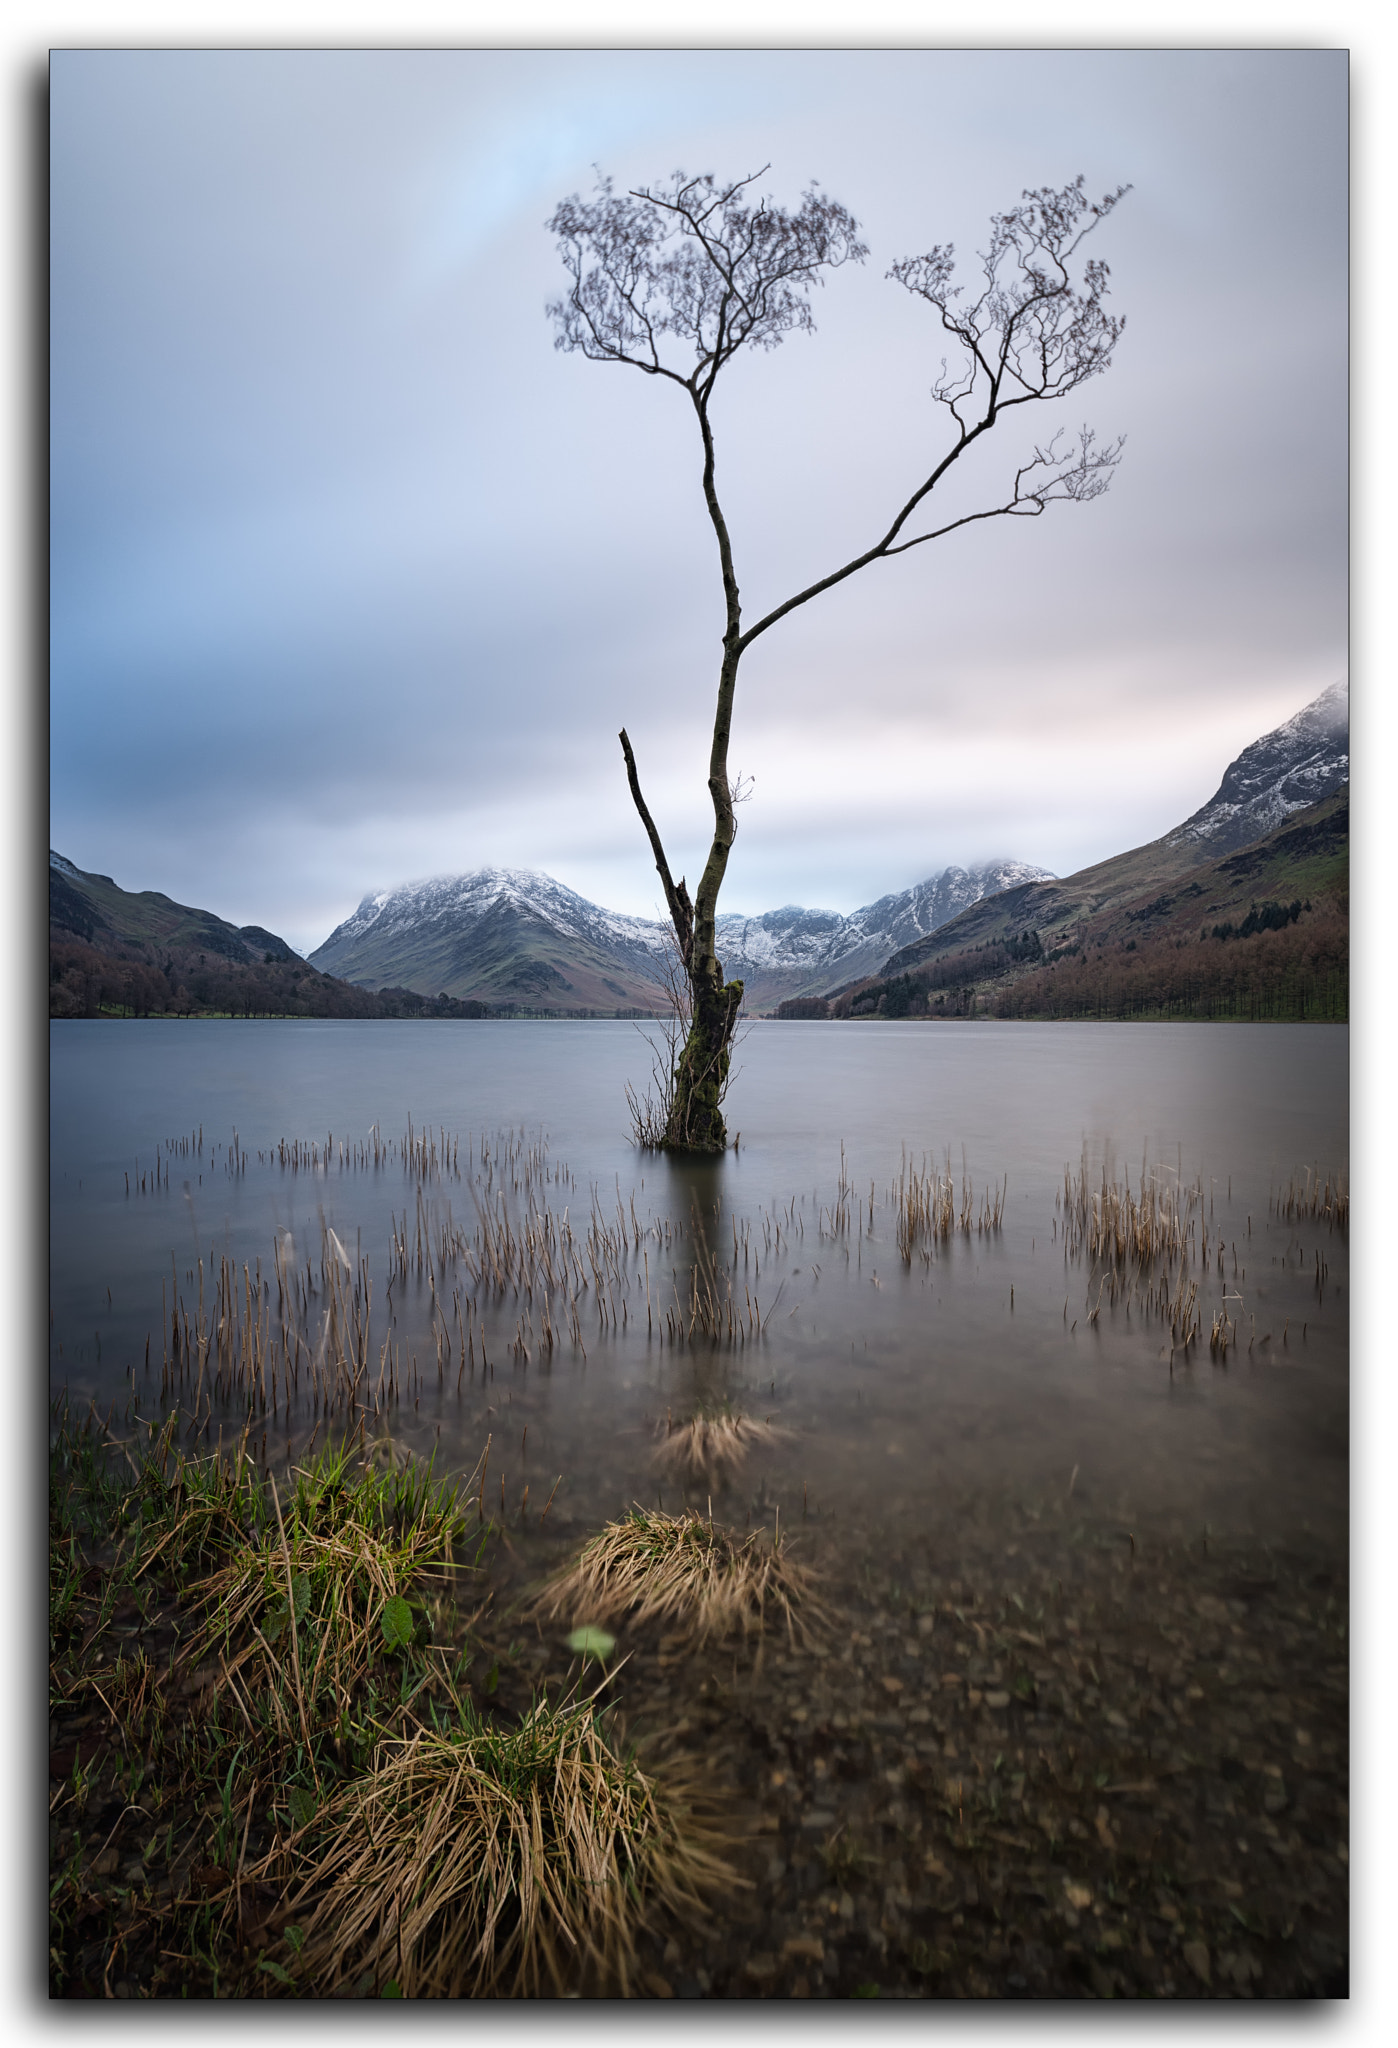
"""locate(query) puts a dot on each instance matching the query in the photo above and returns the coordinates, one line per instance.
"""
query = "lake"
(865, 1359)
(959, 1417)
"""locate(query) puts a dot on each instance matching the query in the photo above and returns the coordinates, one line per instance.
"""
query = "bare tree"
(697, 270)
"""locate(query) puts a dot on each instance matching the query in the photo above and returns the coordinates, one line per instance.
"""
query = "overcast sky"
(354, 577)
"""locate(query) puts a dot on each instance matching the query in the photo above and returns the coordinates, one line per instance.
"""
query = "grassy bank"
(277, 1762)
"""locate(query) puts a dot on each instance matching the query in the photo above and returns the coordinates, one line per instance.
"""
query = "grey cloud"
(327, 506)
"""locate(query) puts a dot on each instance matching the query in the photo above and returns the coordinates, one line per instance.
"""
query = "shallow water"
(976, 1368)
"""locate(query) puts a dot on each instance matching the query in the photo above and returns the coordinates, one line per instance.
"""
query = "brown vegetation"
(1297, 974)
(711, 1448)
(1239, 973)
(681, 1569)
(160, 981)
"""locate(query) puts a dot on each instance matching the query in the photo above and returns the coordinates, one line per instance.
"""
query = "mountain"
(1262, 787)
(516, 938)
(788, 952)
(95, 909)
(507, 936)
(1298, 764)
(1261, 934)
(115, 951)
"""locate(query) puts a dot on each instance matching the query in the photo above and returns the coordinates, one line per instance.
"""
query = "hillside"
(1262, 932)
(118, 952)
(93, 908)
(1288, 771)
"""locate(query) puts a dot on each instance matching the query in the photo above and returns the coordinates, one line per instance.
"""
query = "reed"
(1309, 1199)
(650, 1566)
(927, 1210)
(1160, 1220)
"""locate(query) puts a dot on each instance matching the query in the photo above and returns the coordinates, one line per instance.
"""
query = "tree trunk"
(696, 1115)
(695, 1122)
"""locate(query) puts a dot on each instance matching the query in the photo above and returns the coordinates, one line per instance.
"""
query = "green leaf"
(397, 1623)
(301, 1594)
(865, 1991)
(293, 1937)
(273, 1969)
(592, 1642)
(391, 1990)
(303, 1805)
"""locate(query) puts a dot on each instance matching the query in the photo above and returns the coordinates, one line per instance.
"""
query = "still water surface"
(976, 1372)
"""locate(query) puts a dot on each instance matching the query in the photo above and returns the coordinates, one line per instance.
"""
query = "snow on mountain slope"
(514, 935)
(1298, 764)
(823, 945)
(517, 938)
(457, 900)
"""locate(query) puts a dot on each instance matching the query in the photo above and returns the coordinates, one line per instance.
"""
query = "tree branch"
(681, 909)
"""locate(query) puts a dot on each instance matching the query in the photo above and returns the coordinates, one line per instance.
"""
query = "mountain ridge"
(515, 935)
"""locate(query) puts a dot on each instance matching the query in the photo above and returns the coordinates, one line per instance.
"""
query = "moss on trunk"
(696, 1116)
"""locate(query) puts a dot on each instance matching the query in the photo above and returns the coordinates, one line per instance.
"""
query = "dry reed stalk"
(927, 1210)
(679, 1568)
(1310, 1199)
(1113, 1224)
(482, 1861)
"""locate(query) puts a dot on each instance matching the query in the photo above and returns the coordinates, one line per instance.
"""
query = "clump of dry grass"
(678, 1568)
(710, 1448)
(926, 1206)
(1118, 1227)
(481, 1860)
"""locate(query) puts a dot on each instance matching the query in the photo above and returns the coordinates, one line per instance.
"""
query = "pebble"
(1196, 1954)
(808, 1947)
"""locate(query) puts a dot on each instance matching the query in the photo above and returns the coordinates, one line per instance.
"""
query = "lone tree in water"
(692, 271)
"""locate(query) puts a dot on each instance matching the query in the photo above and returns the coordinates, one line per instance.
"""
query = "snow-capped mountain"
(1297, 764)
(451, 902)
(1288, 770)
(822, 945)
(514, 936)
(509, 935)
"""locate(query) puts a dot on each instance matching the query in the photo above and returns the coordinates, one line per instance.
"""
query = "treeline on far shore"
(1296, 973)
(156, 981)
